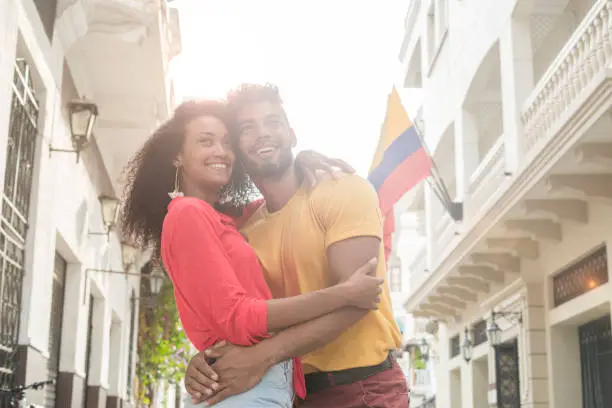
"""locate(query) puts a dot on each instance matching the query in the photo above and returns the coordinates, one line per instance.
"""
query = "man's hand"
(200, 378)
(238, 368)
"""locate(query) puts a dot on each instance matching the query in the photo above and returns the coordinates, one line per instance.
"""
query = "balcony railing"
(444, 233)
(421, 378)
(570, 76)
(418, 269)
(487, 179)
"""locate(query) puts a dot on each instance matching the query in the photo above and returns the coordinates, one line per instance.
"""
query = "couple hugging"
(284, 297)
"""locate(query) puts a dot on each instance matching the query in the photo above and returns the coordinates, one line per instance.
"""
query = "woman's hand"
(310, 162)
(363, 290)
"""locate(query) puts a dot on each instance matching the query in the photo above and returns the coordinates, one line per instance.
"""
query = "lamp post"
(82, 117)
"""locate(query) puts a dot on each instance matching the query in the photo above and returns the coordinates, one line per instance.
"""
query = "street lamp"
(156, 280)
(128, 255)
(467, 346)
(424, 348)
(493, 330)
(109, 207)
(493, 333)
(82, 117)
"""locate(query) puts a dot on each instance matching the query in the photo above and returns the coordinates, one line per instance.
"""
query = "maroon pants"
(387, 389)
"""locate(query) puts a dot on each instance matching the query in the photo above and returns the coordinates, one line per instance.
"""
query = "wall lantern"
(109, 207)
(82, 117)
(493, 330)
(128, 255)
(157, 279)
(467, 346)
(425, 349)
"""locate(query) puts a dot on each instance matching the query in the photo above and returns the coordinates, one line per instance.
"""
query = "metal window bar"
(21, 145)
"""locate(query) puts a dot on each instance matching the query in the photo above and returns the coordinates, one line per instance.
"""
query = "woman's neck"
(210, 195)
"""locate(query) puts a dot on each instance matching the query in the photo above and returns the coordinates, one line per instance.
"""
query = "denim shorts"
(275, 390)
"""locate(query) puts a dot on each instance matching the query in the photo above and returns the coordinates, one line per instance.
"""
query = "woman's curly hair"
(150, 175)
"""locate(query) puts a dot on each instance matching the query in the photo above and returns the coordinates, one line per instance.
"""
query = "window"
(455, 347)
(395, 279)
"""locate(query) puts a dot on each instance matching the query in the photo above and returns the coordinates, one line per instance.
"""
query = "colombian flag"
(399, 164)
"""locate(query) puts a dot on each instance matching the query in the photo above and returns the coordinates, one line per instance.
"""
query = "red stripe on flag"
(405, 176)
(388, 230)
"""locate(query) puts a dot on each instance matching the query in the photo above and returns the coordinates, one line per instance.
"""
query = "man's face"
(265, 140)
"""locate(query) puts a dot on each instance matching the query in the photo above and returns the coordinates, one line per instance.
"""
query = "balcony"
(578, 76)
(486, 180)
(418, 269)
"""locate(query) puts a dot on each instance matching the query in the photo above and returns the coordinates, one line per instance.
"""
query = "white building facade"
(516, 99)
(64, 314)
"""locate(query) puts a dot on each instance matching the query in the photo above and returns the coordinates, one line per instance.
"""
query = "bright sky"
(335, 62)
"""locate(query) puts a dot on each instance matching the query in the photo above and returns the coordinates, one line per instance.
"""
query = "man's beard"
(268, 170)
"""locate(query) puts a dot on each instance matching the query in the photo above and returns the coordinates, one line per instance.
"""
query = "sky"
(334, 61)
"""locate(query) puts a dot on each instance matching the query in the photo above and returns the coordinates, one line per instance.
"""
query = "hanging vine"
(163, 347)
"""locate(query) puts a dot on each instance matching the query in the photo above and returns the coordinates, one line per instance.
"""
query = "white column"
(492, 394)
(534, 372)
(74, 322)
(516, 66)
(115, 359)
(98, 375)
(442, 373)
(467, 382)
(466, 152)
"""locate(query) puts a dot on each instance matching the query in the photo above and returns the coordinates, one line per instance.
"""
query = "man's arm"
(343, 258)
(240, 369)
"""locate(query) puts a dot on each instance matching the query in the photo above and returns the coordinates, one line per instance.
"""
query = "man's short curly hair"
(246, 94)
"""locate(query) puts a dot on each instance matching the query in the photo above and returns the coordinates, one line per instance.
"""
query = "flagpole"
(455, 209)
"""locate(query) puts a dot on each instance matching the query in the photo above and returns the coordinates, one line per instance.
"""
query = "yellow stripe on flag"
(396, 122)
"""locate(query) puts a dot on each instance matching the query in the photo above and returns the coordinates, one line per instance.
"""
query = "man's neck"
(277, 191)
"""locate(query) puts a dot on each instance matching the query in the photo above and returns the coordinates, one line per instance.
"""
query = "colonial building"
(82, 84)
(515, 109)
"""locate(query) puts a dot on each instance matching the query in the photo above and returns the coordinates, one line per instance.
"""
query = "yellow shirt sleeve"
(347, 208)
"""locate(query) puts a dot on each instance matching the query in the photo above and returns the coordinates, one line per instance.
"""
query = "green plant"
(418, 362)
(163, 346)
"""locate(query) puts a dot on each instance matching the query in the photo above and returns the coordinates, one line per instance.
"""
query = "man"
(307, 239)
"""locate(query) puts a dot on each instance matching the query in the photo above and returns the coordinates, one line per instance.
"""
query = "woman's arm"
(203, 276)
(360, 290)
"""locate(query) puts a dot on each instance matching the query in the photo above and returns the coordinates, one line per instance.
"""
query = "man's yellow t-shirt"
(291, 245)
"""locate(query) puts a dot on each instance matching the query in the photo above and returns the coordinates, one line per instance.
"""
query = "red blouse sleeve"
(203, 275)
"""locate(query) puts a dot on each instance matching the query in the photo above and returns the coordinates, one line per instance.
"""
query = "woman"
(219, 287)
